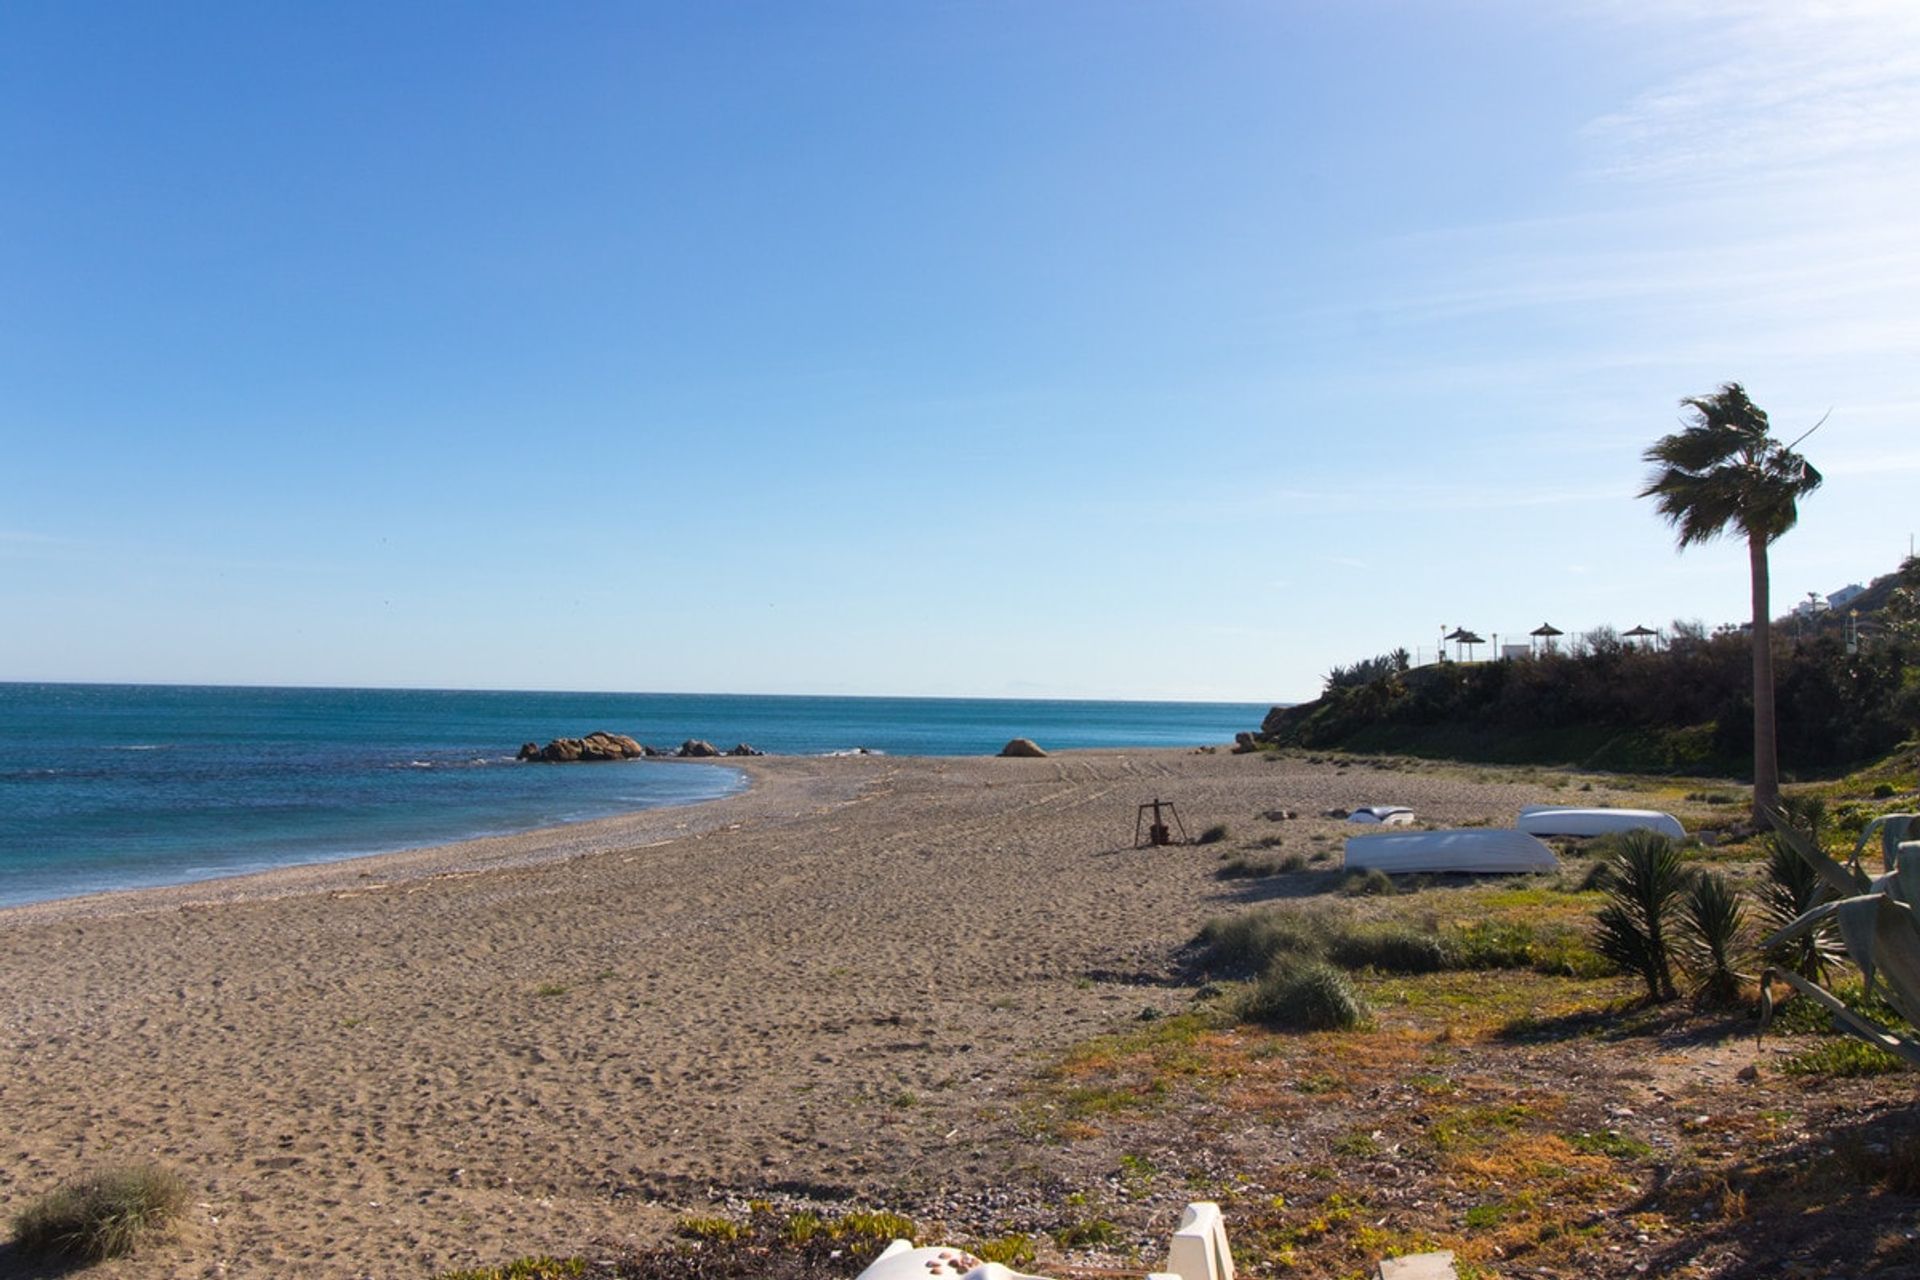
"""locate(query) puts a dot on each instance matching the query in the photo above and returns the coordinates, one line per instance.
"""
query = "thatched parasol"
(1639, 633)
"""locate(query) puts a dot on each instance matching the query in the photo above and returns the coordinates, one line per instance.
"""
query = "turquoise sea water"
(119, 786)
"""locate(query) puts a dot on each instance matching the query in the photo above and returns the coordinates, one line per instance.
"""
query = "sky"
(1102, 349)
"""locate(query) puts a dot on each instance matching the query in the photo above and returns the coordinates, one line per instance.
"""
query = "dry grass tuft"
(103, 1215)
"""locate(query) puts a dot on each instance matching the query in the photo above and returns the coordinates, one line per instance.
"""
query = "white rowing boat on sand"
(1489, 851)
(1567, 820)
(1387, 815)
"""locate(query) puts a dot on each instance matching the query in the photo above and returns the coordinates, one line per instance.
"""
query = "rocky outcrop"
(618, 746)
(1022, 747)
(599, 745)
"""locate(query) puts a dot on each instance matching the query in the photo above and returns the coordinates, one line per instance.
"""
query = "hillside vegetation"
(1604, 704)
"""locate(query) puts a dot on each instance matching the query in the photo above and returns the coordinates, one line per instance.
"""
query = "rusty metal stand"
(1158, 831)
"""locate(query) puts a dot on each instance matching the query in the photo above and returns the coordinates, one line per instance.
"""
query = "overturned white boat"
(1567, 820)
(1386, 815)
(1489, 851)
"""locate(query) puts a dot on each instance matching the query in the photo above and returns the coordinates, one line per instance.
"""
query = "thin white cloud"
(1786, 87)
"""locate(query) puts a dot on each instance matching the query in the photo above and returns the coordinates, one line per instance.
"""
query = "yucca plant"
(1712, 922)
(1876, 921)
(1793, 888)
(1644, 883)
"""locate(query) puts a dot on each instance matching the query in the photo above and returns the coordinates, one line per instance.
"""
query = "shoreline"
(836, 985)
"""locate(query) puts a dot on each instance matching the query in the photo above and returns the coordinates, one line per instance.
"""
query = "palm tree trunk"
(1766, 762)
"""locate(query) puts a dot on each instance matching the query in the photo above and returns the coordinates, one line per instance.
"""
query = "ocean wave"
(854, 751)
(475, 762)
(138, 746)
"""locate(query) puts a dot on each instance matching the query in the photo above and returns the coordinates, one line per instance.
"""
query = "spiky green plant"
(1876, 921)
(1644, 882)
(1793, 888)
(1712, 925)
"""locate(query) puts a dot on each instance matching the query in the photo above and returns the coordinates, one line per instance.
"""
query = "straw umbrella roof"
(1639, 632)
(1546, 629)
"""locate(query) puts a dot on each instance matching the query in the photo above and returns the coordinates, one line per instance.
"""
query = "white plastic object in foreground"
(1554, 820)
(1200, 1245)
(1492, 851)
(901, 1261)
(1199, 1252)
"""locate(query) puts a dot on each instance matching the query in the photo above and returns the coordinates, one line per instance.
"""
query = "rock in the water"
(609, 746)
(697, 749)
(599, 745)
(1022, 747)
(744, 750)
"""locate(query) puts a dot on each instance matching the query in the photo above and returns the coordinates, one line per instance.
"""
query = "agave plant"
(1894, 829)
(1876, 921)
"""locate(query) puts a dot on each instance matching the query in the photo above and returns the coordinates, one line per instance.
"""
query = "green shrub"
(1593, 879)
(103, 1215)
(724, 1230)
(1493, 944)
(1088, 1234)
(1246, 868)
(1293, 862)
(1309, 996)
(1793, 888)
(1248, 943)
(877, 1225)
(1389, 948)
(1611, 1142)
(1842, 1057)
(1644, 883)
(1371, 883)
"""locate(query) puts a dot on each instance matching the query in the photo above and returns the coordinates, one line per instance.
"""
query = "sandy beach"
(833, 984)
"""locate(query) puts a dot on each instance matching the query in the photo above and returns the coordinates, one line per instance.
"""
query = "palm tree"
(1724, 471)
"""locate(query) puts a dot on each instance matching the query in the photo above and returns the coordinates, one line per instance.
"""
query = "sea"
(113, 787)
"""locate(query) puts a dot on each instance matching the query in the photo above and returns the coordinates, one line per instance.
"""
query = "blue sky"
(1075, 349)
